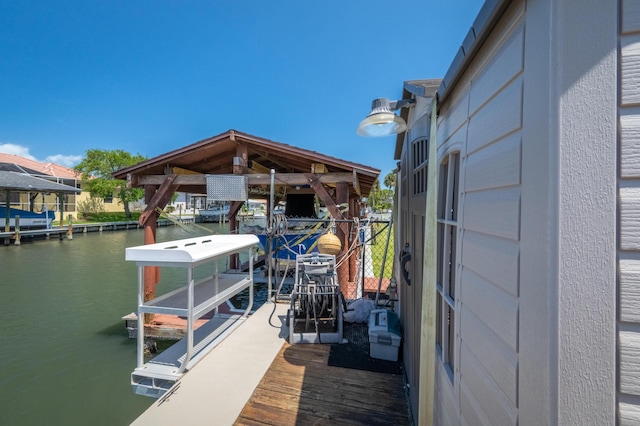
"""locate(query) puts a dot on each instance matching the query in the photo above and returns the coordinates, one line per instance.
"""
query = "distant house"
(519, 202)
(39, 202)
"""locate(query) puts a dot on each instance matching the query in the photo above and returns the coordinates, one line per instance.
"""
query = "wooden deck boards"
(301, 389)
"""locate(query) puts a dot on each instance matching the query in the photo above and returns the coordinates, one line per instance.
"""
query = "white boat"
(215, 213)
(28, 220)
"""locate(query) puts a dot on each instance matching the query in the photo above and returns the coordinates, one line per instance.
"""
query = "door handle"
(405, 257)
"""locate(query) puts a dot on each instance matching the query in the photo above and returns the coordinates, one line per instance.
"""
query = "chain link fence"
(373, 262)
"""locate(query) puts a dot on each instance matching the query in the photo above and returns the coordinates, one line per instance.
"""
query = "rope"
(178, 223)
(355, 243)
(276, 225)
(298, 242)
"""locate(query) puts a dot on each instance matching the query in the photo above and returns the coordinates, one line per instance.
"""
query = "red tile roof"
(50, 169)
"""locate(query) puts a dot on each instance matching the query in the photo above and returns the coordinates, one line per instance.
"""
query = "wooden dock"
(254, 377)
(82, 228)
(299, 388)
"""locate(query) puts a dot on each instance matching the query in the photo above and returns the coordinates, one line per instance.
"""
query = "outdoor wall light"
(381, 121)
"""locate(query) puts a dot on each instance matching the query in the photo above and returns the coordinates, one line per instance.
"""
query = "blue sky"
(149, 77)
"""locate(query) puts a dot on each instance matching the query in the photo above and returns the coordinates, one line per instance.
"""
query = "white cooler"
(384, 334)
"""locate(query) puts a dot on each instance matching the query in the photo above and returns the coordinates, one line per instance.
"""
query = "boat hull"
(28, 220)
(288, 246)
(214, 215)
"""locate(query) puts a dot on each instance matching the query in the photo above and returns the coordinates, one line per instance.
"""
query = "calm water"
(66, 358)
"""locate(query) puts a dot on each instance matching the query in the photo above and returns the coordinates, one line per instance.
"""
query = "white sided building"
(519, 201)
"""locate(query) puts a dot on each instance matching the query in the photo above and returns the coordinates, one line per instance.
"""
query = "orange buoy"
(329, 243)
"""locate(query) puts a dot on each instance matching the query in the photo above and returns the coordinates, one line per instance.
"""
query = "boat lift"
(200, 296)
(315, 315)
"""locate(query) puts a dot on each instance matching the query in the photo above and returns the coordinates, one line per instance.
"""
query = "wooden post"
(17, 237)
(7, 220)
(342, 196)
(426, 388)
(70, 228)
(353, 259)
(61, 204)
(151, 273)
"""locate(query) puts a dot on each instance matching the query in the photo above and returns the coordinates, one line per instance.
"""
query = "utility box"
(384, 334)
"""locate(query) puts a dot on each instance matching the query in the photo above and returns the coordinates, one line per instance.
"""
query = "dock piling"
(17, 236)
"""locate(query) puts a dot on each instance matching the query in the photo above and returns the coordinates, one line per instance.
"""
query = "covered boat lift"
(232, 166)
(269, 167)
(12, 181)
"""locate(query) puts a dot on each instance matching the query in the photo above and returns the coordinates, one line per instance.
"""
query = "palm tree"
(390, 181)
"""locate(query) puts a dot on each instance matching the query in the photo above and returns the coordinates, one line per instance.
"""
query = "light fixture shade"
(381, 121)
(382, 124)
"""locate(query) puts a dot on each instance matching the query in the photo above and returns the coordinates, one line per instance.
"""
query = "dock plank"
(301, 388)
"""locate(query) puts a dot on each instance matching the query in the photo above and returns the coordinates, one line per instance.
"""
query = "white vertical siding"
(481, 387)
(504, 170)
(492, 353)
(534, 118)
(499, 117)
(495, 308)
(567, 362)
(630, 65)
(494, 212)
(502, 69)
(630, 10)
(453, 118)
(452, 131)
(446, 411)
(483, 119)
(585, 92)
(630, 363)
(492, 258)
(630, 142)
(630, 290)
(629, 216)
(629, 414)
(470, 409)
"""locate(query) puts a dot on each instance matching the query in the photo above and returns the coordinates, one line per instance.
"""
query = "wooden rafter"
(259, 168)
(241, 159)
(282, 162)
(254, 179)
(215, 155)
(329, 202)
(160, 199)
(356, 184)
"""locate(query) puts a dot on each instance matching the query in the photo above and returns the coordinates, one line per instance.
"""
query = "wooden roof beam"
(283, 163)
(356, 184)
(254, 179)
(329, 202)
(174, 170)
(160, 199)
(241, 159)
(259, 168)
(318, 168)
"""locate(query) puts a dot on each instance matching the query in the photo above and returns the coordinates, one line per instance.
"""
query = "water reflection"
(66, 355)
